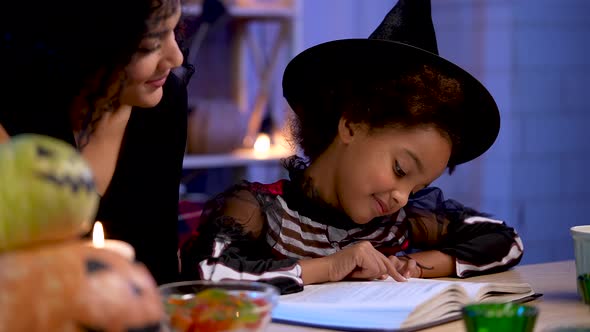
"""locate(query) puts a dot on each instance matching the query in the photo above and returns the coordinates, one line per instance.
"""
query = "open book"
(389, 305)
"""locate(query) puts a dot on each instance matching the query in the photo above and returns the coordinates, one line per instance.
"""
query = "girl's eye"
(398, 170)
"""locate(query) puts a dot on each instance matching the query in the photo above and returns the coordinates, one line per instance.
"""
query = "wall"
(551, 186)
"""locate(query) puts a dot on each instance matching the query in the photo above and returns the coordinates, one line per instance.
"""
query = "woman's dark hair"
(56, 52)
(419, 97)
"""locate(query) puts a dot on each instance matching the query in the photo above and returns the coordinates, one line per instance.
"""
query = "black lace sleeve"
(479, 243)
(230, 244)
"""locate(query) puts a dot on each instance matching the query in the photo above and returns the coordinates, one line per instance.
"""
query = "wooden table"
(559, 306)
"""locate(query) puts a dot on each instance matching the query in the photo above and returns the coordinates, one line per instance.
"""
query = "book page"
(380, 293)
(472, 289)
(488, 291)
(369, 306)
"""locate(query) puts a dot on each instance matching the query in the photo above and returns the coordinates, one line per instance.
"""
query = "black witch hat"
(405, 37)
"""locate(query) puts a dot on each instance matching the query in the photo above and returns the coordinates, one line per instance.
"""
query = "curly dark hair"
(56, 52)
(416, 97)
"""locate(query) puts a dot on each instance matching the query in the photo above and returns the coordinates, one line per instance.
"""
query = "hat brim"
(335, 60)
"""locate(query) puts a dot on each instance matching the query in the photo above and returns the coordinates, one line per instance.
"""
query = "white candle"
(120, 247)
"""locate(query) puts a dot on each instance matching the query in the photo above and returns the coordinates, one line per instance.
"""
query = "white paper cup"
(581, 235)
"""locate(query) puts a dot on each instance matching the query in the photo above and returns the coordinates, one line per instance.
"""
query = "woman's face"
(378, 171)
(158, 53)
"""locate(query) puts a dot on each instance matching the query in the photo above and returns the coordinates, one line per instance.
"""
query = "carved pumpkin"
(75, 287)
(46, 194)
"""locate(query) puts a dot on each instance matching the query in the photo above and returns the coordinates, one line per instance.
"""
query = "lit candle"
(120, 247)
(262, 144)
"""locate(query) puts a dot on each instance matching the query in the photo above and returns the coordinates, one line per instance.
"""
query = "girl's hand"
(406, 266)
(361, 261)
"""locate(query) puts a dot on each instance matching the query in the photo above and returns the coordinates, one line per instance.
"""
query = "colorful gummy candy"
(217, 310)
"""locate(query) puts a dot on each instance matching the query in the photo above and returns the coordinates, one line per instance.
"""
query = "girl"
(97, 74)
(378, 121)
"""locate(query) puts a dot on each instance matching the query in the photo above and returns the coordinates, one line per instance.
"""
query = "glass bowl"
(218, 306)
(500, 317)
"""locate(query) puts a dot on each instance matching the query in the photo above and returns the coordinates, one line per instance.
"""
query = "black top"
(140, 205)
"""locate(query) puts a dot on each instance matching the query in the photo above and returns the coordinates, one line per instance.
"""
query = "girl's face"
(158, 53)
(377, 171)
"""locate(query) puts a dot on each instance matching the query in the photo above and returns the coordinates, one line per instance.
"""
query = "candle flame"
(98, 235)
(262, 143)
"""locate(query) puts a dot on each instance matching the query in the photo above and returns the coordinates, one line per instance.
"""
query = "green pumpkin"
(47, 192)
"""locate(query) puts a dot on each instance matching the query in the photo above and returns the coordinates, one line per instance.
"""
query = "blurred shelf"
(237, 158)
(264, 36)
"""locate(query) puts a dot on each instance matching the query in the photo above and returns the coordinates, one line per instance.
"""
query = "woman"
(98, 75)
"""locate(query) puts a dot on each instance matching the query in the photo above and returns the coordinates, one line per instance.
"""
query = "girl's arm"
(457, 240)
(230, 244)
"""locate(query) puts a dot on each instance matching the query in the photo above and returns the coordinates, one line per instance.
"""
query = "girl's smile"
(382, 207)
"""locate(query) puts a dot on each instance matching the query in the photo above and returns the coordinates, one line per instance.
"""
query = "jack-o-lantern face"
(74, 287)
(47, 191)
(59, 164)
(117, 296)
